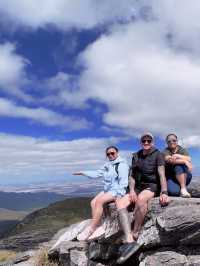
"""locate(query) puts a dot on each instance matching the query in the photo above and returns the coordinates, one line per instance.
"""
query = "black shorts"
(147, 186)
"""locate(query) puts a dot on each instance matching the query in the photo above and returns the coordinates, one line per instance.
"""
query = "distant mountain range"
(28, 201)
(67, 188)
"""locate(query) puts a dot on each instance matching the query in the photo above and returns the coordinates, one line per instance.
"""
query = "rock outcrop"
(170, 236)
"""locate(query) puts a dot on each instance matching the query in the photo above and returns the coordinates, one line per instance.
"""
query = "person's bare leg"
(181, 178)
(122, 204)
(93, 201)
(181, 172)
(141, 208)
(98, 208)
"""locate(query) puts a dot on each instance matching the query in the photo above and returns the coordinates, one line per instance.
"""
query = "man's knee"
(141, 201)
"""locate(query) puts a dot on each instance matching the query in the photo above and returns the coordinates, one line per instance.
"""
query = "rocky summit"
(170, 236)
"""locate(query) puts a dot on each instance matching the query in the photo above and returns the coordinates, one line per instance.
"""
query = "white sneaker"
(85, 234)
(184, 193)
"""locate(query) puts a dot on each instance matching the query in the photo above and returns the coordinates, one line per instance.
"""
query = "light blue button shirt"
(114, 183)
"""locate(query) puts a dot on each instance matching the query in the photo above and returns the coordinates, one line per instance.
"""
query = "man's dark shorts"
(148, 186)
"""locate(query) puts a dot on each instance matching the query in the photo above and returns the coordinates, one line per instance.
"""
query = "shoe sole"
(121, 261)
(186, 196)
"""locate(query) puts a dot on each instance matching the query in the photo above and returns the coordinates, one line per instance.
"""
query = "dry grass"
(7, 255)
(42, 258)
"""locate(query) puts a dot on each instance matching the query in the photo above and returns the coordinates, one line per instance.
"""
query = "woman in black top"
(147, 180)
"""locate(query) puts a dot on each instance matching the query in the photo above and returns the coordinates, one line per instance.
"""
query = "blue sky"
(78, 76)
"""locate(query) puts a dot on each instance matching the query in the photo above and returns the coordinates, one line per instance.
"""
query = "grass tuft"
(7, 255)
(42, 258)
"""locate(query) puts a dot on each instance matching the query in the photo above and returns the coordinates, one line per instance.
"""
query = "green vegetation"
(55, 216)
(9, 218)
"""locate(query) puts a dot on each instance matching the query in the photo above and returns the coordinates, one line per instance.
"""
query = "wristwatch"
(164, 192)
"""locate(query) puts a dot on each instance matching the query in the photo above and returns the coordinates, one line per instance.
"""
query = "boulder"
(167, 258)
(194, 189)
(170, 236)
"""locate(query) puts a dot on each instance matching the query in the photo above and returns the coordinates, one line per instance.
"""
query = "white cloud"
(181, 18)
(41, 115)
(65, 13)
(12, 71)
(22, 157)
(61, 89)
(146, 72)
(147, 83)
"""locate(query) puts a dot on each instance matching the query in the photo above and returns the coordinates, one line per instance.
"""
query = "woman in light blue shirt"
(115, 180)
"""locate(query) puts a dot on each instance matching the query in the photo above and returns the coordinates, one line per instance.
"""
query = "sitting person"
(178, 167)
(115, 179)
(147, 177)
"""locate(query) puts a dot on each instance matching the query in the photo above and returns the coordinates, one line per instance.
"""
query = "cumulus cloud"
(23, 157)
(146, 81)
(180, 18)
(61, 89)
(65, 14)
(12, 71)
(146, 71)
(41, 115)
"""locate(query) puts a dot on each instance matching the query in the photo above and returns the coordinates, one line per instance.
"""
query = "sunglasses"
(146, 140)
(172, 141)
(111, 153)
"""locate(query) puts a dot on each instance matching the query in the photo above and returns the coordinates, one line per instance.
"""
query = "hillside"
(11, 215)
(9, 218)
(41, 225)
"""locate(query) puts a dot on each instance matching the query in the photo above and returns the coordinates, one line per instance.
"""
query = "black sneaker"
(127, 251)
(123, 248)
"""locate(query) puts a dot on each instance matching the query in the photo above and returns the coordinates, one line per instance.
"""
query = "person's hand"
(78, 173)
(176, 156)
(173, 158)
(168, 159)
(164, 199)
(189, 166)
(133, 195)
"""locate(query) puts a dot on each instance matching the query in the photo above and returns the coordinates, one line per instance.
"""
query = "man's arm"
(164, 199)
(163, 182)
(133, 194)
(131, 183)
(182, 157)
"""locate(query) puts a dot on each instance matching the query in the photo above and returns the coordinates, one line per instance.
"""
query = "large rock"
(170, 236)
(167, 258)
(178, 223)
(194, 189)
(68, 234)
(181, 255)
